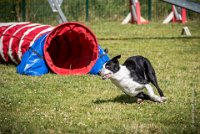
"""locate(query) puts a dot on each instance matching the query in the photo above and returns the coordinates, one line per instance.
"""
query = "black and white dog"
(135, 74)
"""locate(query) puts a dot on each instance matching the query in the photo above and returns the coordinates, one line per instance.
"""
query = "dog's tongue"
(106, 76)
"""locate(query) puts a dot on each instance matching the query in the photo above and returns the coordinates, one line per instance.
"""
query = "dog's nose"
(100, 72)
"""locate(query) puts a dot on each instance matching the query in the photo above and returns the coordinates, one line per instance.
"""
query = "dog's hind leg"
(152, 95)
(153, 80)
(151, 76)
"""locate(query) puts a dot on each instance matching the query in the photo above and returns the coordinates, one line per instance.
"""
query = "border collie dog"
(132, 77)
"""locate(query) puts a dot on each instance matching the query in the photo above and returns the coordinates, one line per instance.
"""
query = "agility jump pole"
(135, 15)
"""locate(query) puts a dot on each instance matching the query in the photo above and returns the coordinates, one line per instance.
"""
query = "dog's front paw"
(164, 98)
(157, 99)
(160, 100)
(139, 100)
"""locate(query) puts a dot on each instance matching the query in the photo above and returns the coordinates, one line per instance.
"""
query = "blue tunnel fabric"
(67, 49)
(102, 59)
(33, 62)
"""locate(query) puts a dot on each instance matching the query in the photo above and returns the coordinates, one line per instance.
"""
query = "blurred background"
(91, 11)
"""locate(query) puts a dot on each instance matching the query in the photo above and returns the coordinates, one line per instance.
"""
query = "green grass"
(87, 104)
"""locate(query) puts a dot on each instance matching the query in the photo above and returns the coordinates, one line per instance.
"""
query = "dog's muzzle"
(105, 76)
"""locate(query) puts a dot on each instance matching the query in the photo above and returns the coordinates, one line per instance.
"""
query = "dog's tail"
(151, 76)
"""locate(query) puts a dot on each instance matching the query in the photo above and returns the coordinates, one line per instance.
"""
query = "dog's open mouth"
(106, 76)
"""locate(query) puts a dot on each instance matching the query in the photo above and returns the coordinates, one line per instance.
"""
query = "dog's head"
(110, 67)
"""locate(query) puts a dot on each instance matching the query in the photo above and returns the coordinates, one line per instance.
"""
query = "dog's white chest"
(129, 87)
(123, 80)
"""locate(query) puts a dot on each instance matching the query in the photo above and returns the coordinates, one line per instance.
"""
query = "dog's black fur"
(141, 72)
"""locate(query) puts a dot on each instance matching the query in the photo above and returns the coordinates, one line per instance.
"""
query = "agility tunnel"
(67, 49)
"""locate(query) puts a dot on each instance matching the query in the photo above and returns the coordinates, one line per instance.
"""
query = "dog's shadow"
(119, 99)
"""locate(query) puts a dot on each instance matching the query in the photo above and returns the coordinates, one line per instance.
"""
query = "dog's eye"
(107, 66)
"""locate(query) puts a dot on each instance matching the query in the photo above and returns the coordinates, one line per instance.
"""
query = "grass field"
(87, 104)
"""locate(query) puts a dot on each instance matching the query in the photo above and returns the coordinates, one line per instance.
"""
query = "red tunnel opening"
(71, 48)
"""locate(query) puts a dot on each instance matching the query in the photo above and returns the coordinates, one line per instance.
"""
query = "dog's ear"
(106, 50)
(115, 59)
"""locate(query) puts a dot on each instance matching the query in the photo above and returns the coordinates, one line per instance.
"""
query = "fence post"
(23, 7)
(149, 9)
(86, 10)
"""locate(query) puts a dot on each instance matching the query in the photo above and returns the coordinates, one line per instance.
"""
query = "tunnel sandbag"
(102, 59)
(71, 48)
